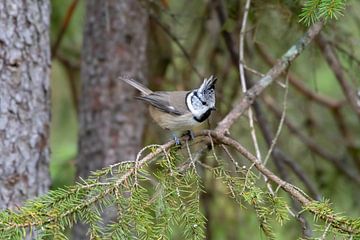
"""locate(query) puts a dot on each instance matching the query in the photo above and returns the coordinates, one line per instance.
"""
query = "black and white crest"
(201, 101)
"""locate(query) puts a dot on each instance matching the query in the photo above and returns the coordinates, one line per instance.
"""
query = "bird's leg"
(176, 139)
(190, 134)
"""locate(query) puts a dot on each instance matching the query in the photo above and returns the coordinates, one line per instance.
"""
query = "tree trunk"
(24, 100)
(111, 120)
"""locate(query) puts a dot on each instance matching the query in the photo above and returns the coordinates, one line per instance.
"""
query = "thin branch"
(219, 8)
(241, 45)
(347, 136)
(278, 131)
(243, 80)
(177, 42)
(287, 187)
(64, 26)
(314, 147)
(335, 64)
(271, 75)
(229, 42)
(139, 155)
(280, 156)
(236, 164)
(350, 55)
(253, 71)
(333, 105)
(299, 85)
(300, 173)
(192, 162)
(280, 159)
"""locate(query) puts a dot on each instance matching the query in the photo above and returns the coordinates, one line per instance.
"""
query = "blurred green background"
(64, 125)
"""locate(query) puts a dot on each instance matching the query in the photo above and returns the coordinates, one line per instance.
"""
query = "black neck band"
(204, 116)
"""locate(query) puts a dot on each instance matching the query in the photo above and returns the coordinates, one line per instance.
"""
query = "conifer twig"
(278, 131)
(292, 190)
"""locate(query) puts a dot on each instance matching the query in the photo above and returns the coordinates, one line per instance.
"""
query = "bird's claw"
(176, 139)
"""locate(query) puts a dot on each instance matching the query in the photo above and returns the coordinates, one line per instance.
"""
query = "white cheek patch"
(196, 112)
(188, 102)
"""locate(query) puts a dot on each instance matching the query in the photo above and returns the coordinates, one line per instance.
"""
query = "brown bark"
(24, 100)
(111, 121)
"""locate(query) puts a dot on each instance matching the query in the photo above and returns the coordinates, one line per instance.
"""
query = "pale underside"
(174, 122)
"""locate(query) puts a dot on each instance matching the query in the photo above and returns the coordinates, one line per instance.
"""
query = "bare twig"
(300, 173)
(236, 164)
(178, 43)
(299, 85)
(229, 42)
(273, 142)
(243, 80)
(347, 137)
(192, 162)
(64, 26)
(272, 74)
(241, 45)
(335, 65)
(253, 71)
(245, 104)
(346, 52)
(314, 147)
(333, 105)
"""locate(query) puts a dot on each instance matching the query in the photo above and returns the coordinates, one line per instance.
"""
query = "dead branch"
(348, 171)
(335, 64)
(278, 154)
(178, 43)
(64, 26)
(299, 85)
(269, 77)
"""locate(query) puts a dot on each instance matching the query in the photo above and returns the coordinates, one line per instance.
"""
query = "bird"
(178, 110)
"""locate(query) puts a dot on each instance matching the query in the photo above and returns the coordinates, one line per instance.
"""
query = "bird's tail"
(144, 90)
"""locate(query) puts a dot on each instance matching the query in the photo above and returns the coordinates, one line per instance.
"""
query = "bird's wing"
(169, 102)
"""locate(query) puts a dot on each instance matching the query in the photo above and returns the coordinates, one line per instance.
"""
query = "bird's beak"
(213, 109)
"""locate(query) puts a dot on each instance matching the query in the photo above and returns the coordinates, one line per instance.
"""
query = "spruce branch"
(315, 10)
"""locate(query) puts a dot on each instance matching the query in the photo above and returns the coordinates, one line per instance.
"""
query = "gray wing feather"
(169, 102)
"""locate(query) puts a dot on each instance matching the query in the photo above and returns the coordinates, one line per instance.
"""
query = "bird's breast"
(173, 122)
